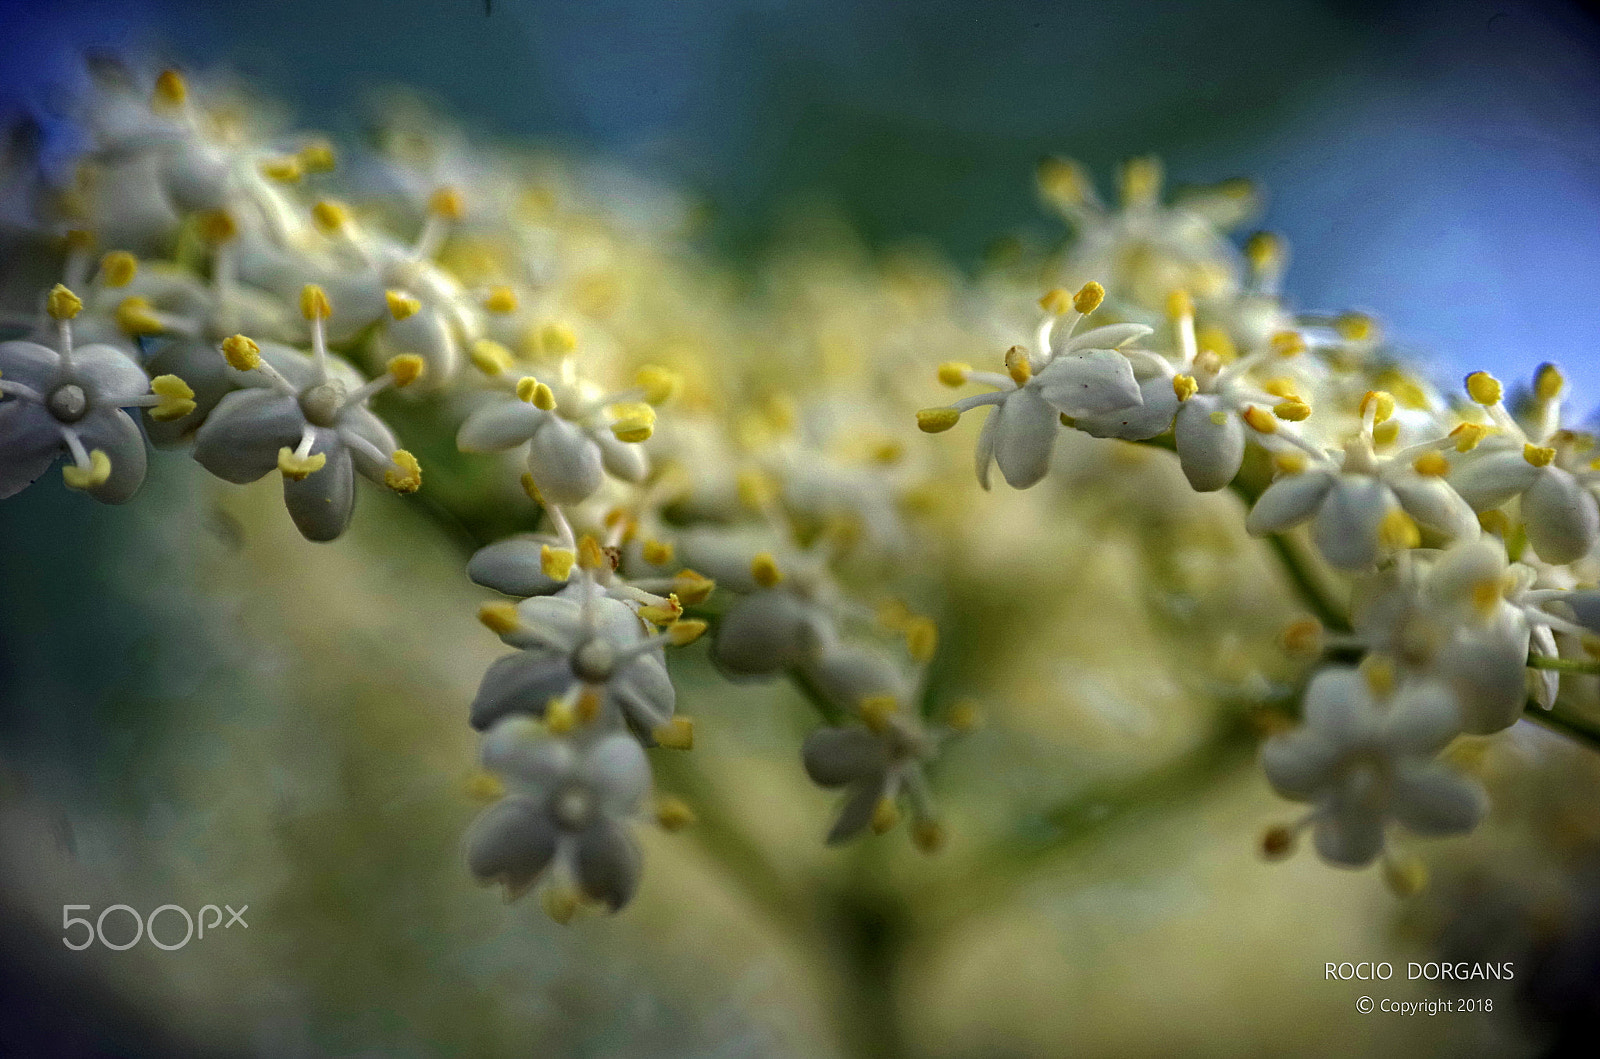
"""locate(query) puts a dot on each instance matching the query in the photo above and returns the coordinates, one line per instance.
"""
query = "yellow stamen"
(1356, 327)
(1379, 674)
(1288, 343)
(406, 474)
(660, 384)
(635, 422)
(62, 304)
(673, 813)
(314, 303)
(1468, 435)
(1537, 455)
(922, 638)
(1486, 596)
(964, 716)
(1089, 297)
(299, 468)
(331, 217)
(1303, 637)
(591, 556)
(556, 563)
(1277, 842)
(953, 373)
(118, 268)
(1141, 180)
(1063, 181)
(1404, 876)
(693, 588)
(884, 816)
(1017, 365)
(1398, 530)
(560, 716)
(1548, 382)
(90, 477)
(531, 488)
(241, 353)
(285, 170)
(656, 553)
(501, 300)
(929, 836)
(406, 369)
(764, 569)
(556, 338)
(318, 157)
(1431, 464)
(218, 226)
(1259, 420)
(1484, 388)
(1057, 301)
(1218, 418)
(888, 452)
(1289, 462)
(170, 91)
(1185, 386)
(177, 398)
(876, 711)
(1380, 403)
(937, 420)
(1179, 304)
(588, 705)
(756, 490)
(662, 613)
(560, 903)
(401, 305)
(686, 631)
(1293, 409)
(1264, 250)
(490, 357)
(447, 202)
(676, 734)
(136, 316)
(483, 786)
(1217, 342)
(500, 617)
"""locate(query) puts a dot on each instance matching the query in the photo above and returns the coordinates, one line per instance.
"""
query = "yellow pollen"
(756, 490)
(241, 353)
(1263, 250)
(1185, 386)
(656, 553)
(1217, 342)
(90, 477)
(500, 300)
(1293, 409)
(1538, 456)
(1280, 387)
(1380, 403)
(540, 396)
(483, 786)
(1289, 462)
(693, 588)
(1056, 301)
(1484, 388)
(1548, 382)
(1288, 343)
(929, 836)
(401, 305)
(299, 468)
(888, 452)
(406, 474)
(953, 373)
(588, 705)
(591, 556)
(1141, 180)
(876, 711)
(118, 268)
(1179, 304)
(660, 384)
(500, 617)
(684, 632)
(764, 570)
(177, 398)
(314, 303)
(635, 422)
(331, 217)
(560, 903)
(1089, 297)
(531, 488)
(406, 369)
(1379, 674)
(1468, 435)
(318, 157)
(1486, 596)
(662, 613)
(556, 563)
(62, 304)
(218, 226)
(447, 202)
(1303, 637)
(674, 814)
(1431, 464)
(285, 170)
(964, 716)
(556, 338)
(1398, 530)
(170, 91)
(676, 734)
(1218, 418)
(1356, 327)
(1495, 522)
(884, 816)
(560, 716)
(1259, 420)
(937, 420)
(922, 638)
(1063, 181)
(1405, 876)
(137, 317)
(1017, 365)
(490, 357)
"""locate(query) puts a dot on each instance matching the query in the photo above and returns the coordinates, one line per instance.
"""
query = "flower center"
(321, 404)
(68, 403)
(572, 808)
(594, 661)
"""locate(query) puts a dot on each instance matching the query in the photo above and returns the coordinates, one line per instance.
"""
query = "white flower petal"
(1423, 719)
(565, 462)
(240, 439)
(1561, 515)
(1429, 799)
(1347, 523)
(323, 502)
(1025, 438)
(500, 425)
(1140, 422)
(619, 773)
(1210, 442)
(1098, 381)
(1488, 479)
(1435, 505)
(1299, 763)
(1111, 336)
(1289, 501)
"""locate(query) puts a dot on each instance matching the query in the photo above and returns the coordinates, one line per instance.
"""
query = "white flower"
(568, 810)
(1364, 758)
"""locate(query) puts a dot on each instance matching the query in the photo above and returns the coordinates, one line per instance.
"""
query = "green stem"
(1560, 719)
(1563, 665)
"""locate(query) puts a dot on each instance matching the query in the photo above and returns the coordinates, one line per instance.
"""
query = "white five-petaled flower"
(568, 811)
(1365, 756)
(1061, 374)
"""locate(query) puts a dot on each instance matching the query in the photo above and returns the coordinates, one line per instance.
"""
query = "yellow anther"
(686, 631)
(1264, 250)
(922, 638)
(1289, 462)
(501, 300)
(1017, 365)
(662, 613)
(1063, 181)
(241, 353)
(531, 488)
(1539, 456)
(331, 217)
(96, 474)
(314, 304)
(1089, 297)
(764, 570)
(876, 710)
(588, 707)
(1217, 342)
(285, 170)
(656, 553)
(693, 588)
(1379, 403)
(1218, 418)
(1288, 343)
(1280, 387)
(136, 316)
(929, 836)
(1378, 672)
(218, 226)
(660, 384)
(1548, 382)
(1179, 304)
(1486, 595)
(1468, 435)
(1398, 530)
(591, 556)
(1495, 522)
(676, 734)
(893, 614)
(118, 268)
(888, 452)
(1259, 419)
(447, 202)
(500, 617)
(635, 421)
(1056, 301)
(490, 357)
(560, 716)
(401, 305)
(1302, 637)
(560, 903)
(1484, 388)
(1141, 180)
(1405, 876)
(953, 373)
(177, 398)
(406, 474)
(79, 238)
(62, 304)
(964, 716)
(483, 786)
(937, 420)
(1277, 842)
(298, 468)
(1292, 409)
(1356, 327)
(170, 91)
(757, 491)
(406, 369)
(1431, 464)
(556, 338)
(1185, 386)
(884, 816)
(556, 563)
(674, 814)
(318, 157)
